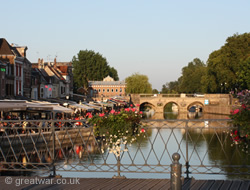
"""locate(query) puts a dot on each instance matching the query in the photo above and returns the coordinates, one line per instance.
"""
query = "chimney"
(39, 63)
(42, 64)
(55, 63)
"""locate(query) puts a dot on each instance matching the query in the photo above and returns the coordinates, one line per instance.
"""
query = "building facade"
(55, 81)
(107, 88)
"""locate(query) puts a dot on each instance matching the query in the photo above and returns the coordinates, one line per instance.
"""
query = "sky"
(156, 38)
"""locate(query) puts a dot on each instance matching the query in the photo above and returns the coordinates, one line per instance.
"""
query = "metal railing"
(205, 147)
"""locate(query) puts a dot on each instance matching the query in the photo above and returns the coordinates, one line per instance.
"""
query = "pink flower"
(140, 112)
(112, 111)
(138, 105)
(131, 105)
(236, 111)
(143, 130)
(101, 114)
(133, 109)
(127, 109)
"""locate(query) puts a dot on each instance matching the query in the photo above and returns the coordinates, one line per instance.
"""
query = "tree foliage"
(225, 65)
(244, 74)
(170, 88)
(192, 74)
(88, 66)
(227, 69)
(138, 83)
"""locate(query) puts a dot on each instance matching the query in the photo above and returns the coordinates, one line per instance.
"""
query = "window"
(42, 92)
(112, 90)
(20, 71)
(99, 90)
(116, 90)
(120, 89)
(107, 90)
(103, 90)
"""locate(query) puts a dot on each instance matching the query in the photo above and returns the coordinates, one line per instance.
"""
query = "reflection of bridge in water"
(208, 103)
(203, 123)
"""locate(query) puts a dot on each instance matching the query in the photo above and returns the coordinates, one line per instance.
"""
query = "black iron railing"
(205, 147)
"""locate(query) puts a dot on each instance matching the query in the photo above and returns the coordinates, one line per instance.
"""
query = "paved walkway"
(26, 183)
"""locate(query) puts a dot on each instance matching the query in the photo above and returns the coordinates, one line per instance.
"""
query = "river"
(208, 149)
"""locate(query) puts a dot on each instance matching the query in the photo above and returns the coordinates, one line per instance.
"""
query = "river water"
(206, 147)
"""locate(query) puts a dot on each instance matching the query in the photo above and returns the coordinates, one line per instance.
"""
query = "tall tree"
(244, 73)
(138, 83)
(89, 65)
(170, 88)
(191, 78)
(225, 65)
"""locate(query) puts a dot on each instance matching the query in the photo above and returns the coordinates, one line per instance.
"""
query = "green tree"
(244, 74)
(138, 83)
(88, 66)
(190, 81)
(155, 91)
(225, 65)
(170, 88)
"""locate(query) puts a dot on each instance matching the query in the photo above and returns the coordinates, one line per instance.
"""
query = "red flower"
(127, 109)
(101, 114)
(143, 130)
(112, 111)
(236, 111)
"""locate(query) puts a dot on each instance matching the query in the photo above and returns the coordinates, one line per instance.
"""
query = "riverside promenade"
(36, 183)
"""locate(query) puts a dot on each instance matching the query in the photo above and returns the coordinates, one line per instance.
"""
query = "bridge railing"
(172, 95)
(53, 146)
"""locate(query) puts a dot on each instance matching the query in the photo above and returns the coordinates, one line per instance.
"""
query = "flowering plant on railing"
(117, 129)
(241, 118)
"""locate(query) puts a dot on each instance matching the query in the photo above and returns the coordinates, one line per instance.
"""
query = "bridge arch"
(172, 102)
(171, 110)
(196, 103)
(147, 105)
(148, 109)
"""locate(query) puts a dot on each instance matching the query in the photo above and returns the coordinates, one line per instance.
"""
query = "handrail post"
(119, 169)
(53, 150)
(176, 172)
(187, 160)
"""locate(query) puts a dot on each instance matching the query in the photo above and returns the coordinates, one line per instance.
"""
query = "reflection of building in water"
(175, 108)
(149, 113)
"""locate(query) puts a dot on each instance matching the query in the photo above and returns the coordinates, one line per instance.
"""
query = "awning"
(58, 108)
(80, 106)
(11, 106)
(99, 108)
(53, 106)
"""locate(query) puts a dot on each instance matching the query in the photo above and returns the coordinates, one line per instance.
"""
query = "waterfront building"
(17, 70)
(2, 79)
(55, 81)
(106, 88)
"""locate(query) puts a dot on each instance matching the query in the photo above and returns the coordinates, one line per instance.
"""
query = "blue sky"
(156, 38)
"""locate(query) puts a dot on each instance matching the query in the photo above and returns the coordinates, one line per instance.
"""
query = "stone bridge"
(210, 103)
